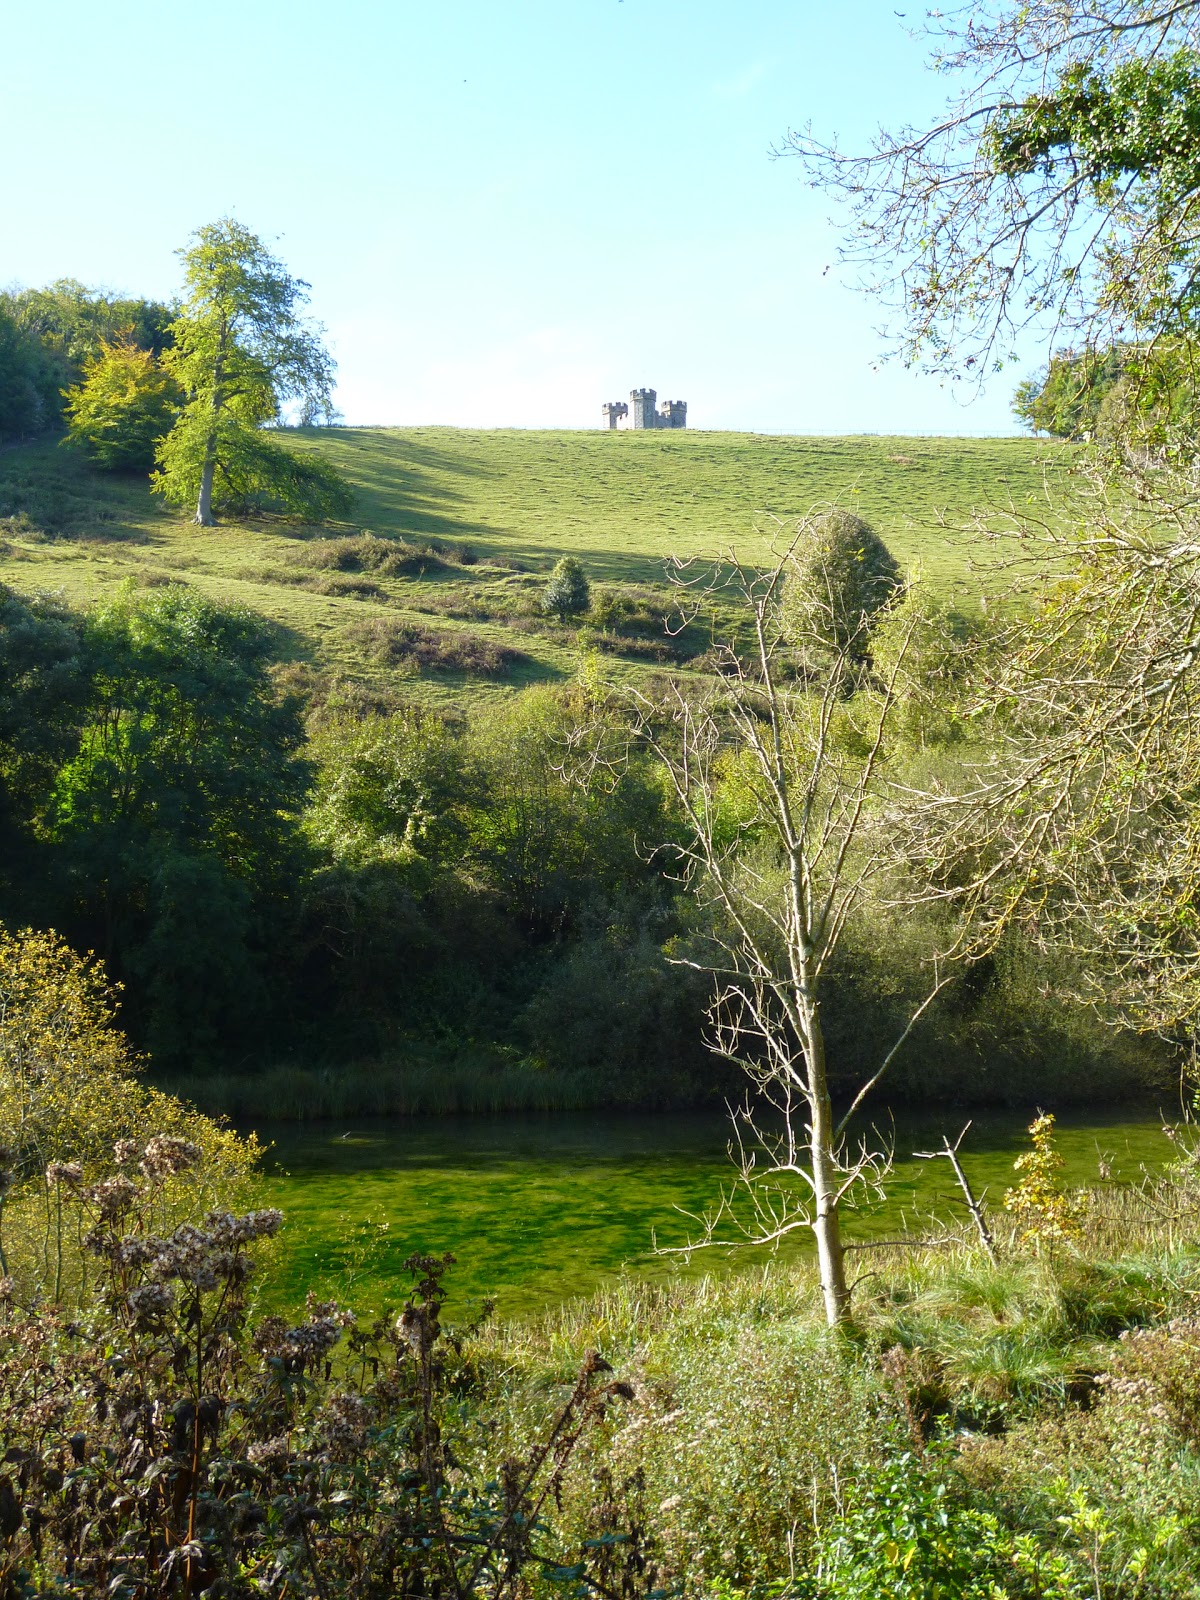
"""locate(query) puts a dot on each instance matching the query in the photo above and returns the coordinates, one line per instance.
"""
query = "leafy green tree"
(123, 407)
(28, 380)
(47, 337)
(568, 592)
(1065, 398)
(73, 322)
(240, 350)
(176, 821)
(1058, 188)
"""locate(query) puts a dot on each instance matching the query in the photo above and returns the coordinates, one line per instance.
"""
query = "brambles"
(162, 1443)
(408, 644)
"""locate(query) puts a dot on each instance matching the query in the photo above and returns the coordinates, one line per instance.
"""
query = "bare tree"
(1059, 191)
(1078, 815)
(780, 771)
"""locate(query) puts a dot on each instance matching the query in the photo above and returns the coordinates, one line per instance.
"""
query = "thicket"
(349, 886)
(49, 336)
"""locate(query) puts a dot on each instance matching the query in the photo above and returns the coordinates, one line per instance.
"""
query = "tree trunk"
(827, 1228)
(204, 515)
(204, 512)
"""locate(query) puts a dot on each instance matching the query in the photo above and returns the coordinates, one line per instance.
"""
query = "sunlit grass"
(512, 502)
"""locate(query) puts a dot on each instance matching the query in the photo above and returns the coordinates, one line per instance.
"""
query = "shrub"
(568, 592)
(839, 579)
(366, 552)
(124, 405)
(1046, 1213)
(408, 644)
(69, 1091)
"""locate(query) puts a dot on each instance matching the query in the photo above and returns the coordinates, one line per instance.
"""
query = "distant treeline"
(332, 886)
(47, 338)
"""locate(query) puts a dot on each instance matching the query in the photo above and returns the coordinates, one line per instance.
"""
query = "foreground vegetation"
(1017, 1421)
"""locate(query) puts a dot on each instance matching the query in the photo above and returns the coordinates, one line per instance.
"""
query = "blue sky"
(508, 212)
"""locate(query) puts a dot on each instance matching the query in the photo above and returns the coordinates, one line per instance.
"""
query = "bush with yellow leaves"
(1046, 1213)
(70, 1092)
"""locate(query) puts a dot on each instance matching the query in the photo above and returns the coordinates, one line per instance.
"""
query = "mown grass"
(474, 520)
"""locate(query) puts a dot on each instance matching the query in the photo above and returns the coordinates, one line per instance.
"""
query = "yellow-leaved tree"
(74, 1109)
(123, 406)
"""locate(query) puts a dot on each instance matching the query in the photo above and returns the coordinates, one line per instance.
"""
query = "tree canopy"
(1059, 192)
(125, 403)
(240, 351)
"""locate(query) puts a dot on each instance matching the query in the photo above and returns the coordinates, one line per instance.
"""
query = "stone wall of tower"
(641, 408)
(613, 411)
(672, 414)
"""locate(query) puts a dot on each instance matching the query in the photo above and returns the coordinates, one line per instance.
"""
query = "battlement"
(643, 411)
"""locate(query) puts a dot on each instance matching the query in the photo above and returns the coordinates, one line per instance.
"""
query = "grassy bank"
(449, 605)
(1031, 1424)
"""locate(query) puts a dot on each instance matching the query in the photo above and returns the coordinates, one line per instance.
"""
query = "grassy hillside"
(480, 517)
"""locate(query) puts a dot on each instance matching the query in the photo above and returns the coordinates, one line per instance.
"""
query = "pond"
(539, 1209)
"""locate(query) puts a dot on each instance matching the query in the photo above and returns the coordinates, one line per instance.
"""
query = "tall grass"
(752, 1424)
(295, 1093)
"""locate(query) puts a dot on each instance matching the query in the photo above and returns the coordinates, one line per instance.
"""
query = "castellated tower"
(641, 412)
(641, 405)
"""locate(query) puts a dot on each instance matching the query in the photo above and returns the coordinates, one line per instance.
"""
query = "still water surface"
(541, 1208)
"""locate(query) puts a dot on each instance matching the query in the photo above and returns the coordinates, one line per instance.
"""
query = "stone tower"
(641, 412)
(641, 403)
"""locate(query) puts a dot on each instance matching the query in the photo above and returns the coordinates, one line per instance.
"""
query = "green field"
(502, 506)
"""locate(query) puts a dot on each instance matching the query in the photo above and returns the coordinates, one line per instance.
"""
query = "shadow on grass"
(395, 482)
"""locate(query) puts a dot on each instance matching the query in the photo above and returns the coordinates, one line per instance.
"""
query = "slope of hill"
(473, 519)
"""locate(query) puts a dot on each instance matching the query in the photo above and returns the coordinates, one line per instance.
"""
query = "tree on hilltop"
(240, 351)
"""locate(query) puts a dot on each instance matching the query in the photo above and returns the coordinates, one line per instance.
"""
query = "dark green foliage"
(74, 322)
(1139, 120)
(615, 1009)
(152, 783)
(43, 689)
(902, 1535)
(1126, 393)
(48, 335)
(29, 381)
(568, 593)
